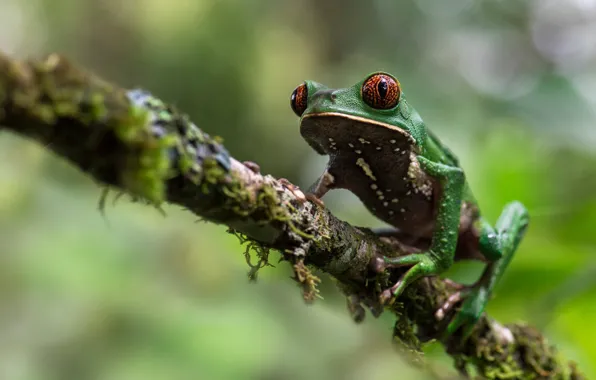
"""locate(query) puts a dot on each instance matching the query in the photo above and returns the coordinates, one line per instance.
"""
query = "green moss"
(529, 357)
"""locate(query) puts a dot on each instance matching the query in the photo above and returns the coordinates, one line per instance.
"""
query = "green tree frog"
(380, 149)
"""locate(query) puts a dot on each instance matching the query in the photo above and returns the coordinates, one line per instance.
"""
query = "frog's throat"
(362, 120)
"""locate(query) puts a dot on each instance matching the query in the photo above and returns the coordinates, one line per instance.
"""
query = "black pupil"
(293, 100)
(382, 87)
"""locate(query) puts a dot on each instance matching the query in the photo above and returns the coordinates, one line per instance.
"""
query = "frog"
(381, 150)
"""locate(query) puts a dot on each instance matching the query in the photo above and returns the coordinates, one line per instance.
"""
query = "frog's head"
(373, 110)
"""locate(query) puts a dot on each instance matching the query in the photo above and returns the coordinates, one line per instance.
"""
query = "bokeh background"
(509, 85)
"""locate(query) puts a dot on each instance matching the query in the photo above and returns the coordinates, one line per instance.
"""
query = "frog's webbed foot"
(302, 197)
(421, 265)
(474, 298)
(299, 194)
(253, 166)
(316, 190)
(454, 285)
(313, 198)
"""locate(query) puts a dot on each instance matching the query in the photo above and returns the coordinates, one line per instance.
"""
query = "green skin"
(434, 210)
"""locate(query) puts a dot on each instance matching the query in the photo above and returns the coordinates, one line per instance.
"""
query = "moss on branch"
(131, 141)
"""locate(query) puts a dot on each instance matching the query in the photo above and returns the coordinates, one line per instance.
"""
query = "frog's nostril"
(333, 95)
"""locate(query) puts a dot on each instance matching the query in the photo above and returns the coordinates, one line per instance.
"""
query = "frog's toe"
(464, 322)
(475, 299)
(387, 297)
(299, 194)
(421, 265)
(448, 305)
(313, 198)
(253, 166)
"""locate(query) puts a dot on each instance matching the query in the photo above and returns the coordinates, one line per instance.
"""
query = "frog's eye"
(298, 99)
(381, 91)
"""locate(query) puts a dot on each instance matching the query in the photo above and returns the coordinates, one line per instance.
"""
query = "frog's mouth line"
(361, 120)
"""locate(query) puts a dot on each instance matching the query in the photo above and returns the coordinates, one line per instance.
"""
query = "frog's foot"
(299, 194)
(253, 166)
(455, 285)
(316, 200)
(474, 297)
(422, 265)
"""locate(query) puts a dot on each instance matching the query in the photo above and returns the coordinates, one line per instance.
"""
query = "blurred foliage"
(509, 85)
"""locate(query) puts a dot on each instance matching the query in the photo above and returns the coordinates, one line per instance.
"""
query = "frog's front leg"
(315, 192)
(498, 245)
(444, 240)
(321, 186)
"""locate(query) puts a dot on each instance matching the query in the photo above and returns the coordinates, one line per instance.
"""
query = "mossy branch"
(132, 141)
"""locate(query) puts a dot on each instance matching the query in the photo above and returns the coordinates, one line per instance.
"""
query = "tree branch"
(132, 141)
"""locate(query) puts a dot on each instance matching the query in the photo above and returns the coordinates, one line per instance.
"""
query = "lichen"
(307, 280)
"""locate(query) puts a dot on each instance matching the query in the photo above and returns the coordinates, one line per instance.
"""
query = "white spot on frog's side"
(374, 186)
(379, 148)
(363, 141)
(385, 204)
(379, 192)
(350, 145)
(418, 178)
(402, 210)
(391, 212)
(395, 200)
(358, 151)
(360, 162)
(381, 197)
(331, 139)
(392, 141)
(396, 150)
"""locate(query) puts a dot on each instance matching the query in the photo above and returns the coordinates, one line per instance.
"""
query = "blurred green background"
(510, 86)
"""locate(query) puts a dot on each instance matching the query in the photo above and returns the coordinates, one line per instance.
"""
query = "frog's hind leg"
(498, 245)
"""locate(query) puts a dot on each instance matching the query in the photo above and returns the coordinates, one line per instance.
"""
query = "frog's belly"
(410, 212)
(390, 193)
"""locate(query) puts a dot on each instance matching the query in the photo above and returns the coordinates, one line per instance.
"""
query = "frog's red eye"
(381, 91)
(298, 99)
